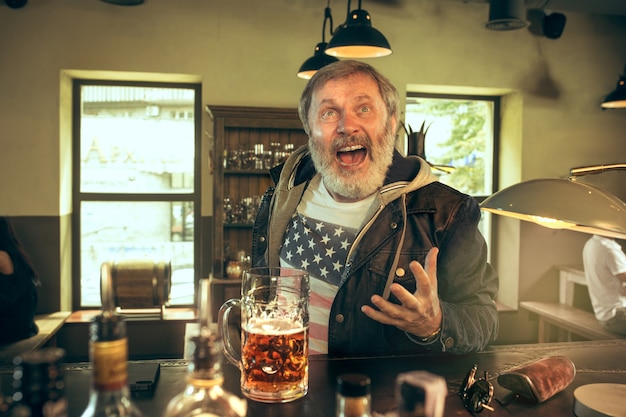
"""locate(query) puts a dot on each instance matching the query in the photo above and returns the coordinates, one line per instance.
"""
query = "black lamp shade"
(318, 60)
(358, 39)
(617, 98)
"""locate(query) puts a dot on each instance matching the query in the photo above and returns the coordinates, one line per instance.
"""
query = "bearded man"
(396, 261)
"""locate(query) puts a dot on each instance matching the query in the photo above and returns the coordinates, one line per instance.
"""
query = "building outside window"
(136, 181)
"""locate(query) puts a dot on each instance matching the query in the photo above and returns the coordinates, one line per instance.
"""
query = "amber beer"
(274, 344)
(275, 360)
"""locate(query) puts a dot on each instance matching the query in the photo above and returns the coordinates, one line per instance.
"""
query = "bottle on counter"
(109, 393)
(203, 394)
(38, 380)
(354, 398)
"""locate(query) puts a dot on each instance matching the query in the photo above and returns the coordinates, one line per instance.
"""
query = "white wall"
(247, 53)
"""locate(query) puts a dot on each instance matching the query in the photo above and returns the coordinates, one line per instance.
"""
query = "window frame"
(78, 196)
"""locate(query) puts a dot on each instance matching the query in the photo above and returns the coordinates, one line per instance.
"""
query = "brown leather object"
(540, 379)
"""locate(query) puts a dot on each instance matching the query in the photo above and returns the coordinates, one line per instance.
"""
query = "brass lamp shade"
(358, 39)
(562, 204)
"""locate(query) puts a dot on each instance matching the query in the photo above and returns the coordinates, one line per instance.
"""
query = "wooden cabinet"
(247, 141)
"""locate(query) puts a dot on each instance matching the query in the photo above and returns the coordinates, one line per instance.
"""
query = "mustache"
(355, 139)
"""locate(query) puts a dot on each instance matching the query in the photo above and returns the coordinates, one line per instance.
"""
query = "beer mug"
(274, 361)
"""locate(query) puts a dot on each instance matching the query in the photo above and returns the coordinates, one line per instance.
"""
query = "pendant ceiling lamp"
(617, 98)
(564, 204)
(320, 58)
(356, 38)
(506, 15)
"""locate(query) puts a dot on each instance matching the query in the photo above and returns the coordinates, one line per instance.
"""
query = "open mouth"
(351, 155)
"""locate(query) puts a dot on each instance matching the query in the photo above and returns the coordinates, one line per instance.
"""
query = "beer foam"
(273, 326)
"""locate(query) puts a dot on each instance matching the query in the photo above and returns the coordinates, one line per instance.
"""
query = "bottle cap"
(48, 355)
(353, 385)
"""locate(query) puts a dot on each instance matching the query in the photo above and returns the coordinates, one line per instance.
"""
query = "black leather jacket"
(413, 216)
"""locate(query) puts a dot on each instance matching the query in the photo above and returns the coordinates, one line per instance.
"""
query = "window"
(136, 191)
(461, 138)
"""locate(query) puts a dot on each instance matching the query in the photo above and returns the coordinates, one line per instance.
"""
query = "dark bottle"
(38, 381)
(109, 395)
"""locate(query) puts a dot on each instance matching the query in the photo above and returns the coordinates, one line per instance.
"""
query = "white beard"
(355, 184)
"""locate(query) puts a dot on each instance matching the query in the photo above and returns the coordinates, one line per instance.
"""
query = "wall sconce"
(506, 15)
(320, 58)
(617, 98)
(356, 38)
(564, 204)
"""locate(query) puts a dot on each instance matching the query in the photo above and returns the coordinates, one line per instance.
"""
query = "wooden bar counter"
(596, 362)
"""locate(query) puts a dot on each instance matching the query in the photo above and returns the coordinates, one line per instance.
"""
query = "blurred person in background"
(605, 270)
(18, 288)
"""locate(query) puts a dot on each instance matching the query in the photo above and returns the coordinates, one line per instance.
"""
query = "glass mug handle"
(222, 323)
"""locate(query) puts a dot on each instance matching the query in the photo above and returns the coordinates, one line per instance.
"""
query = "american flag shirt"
(317, 240)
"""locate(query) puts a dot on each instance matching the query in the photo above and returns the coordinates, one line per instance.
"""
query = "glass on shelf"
(228, 210)
(233, 160)
(257, 158)
(242, 212)
(275, 153)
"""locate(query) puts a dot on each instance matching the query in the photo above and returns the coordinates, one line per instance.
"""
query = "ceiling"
(602, 7)
(607, 7)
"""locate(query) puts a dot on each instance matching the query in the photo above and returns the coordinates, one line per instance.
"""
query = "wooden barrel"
(141, 283)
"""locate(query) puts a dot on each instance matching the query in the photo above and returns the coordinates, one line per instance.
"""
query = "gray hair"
(344, 69)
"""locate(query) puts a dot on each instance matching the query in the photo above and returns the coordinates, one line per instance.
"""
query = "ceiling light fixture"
(356, 38)
(506, 15)
(320, 58)
(617, 98)
(564, 204)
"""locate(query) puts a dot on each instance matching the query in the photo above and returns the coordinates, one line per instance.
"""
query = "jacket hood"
(406, 174)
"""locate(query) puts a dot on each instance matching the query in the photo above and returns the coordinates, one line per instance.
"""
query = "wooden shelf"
(243, 128)
(238, 225)
(246, 172)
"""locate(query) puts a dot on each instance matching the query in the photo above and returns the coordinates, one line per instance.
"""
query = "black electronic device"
(143, 376)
